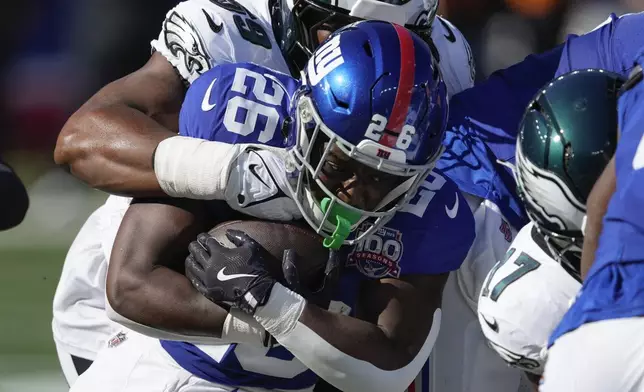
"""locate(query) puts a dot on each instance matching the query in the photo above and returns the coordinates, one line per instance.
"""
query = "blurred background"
(59, 52)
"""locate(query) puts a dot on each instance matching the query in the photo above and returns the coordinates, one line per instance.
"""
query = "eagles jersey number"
(246, 23)
(525, 264)
(199, 34)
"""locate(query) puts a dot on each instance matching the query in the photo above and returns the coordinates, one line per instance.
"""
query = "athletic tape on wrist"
(242, 328)
(194, 168)
(282, 311)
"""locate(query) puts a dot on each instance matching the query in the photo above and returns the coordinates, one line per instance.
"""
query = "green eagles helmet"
(566, 137)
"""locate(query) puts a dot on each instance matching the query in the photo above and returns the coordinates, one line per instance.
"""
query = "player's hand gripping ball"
(237, 263)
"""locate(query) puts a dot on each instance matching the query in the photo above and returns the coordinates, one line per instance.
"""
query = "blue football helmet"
(374, 90)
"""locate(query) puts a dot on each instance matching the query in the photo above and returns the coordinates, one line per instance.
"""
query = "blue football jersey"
(246, 103)
(432, 235)
(611, 46)
(482, 130)
(614, 287)
(622, 239)
(484, 120)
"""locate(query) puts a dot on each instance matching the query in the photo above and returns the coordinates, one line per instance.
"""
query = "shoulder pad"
(196, 35)
(454, 56)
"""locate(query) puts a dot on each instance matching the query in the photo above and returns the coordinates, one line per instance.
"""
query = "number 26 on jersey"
(267, 94)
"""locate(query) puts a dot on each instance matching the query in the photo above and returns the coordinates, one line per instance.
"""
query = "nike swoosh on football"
(451, 212)
(493, 326)
(223, 277)
(205, 104)
(450, 37)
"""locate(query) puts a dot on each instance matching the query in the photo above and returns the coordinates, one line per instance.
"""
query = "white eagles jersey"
(80, 325)
(523, 299)
(198, 34)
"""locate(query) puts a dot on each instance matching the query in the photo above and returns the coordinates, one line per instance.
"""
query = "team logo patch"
(515, 359)
(379, 254)
(183, 41)
(383, 154)
(116, 340)
(505, 230)
(327, 58)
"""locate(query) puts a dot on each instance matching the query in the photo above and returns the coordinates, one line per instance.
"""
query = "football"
(276, 237)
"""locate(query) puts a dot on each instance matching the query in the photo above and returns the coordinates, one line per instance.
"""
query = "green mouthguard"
(344, 218)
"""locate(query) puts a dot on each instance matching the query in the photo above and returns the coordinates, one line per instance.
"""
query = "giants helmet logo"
(383, 154)
(378, 255)
(326, 59)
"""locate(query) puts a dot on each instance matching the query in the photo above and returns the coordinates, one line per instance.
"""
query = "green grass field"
(28, 359)
(27, 285)
(31, 259)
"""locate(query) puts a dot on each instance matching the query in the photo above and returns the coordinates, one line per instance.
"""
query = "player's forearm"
(165, 300)
(238, 328)
(360, 339)
(111, 148)
(351, 354)
(596, 205)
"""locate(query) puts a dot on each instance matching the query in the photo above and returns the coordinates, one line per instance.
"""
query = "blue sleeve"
(204, 106)
(501, 100)
(436, 231)
(483, 126)
(612, 46)
(496, 105)
(237, 103)
(622, 236)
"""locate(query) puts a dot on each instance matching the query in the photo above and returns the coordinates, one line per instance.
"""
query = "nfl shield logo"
(116, 340)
